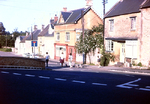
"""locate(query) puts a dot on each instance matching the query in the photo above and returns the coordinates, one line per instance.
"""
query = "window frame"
(109, 46)
(67, 36)
(111, 25)
(133, 23)
(58, 36)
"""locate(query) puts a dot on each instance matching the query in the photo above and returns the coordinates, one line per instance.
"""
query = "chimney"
(43, 26)
(65, 9)
(27, 33)
(55, 19)
(35, 27)
(89, 3)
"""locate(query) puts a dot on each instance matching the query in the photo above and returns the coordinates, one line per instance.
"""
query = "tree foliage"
(92, 39)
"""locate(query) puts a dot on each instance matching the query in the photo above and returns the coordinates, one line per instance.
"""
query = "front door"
(122, 53)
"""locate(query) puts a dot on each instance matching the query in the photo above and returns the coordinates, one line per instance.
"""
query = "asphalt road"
(62, 87)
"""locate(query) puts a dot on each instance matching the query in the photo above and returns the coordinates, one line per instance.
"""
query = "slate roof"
(125, 7)
(146, 4)
(35, 35)
(72, 17)
(45, 32)
(22, 37)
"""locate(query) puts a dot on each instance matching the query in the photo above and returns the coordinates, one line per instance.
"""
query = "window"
(133, 23)
(67, 36)
(77, 37)
(57, 37)
(131, 47)
(109, 45)
(111, 25)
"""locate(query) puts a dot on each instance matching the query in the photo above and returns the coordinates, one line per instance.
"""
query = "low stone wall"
(21, 61)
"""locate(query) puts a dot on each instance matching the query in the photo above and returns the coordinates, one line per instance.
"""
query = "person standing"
(62, 59)
(70, 60)
(99, 59)
(47, 59)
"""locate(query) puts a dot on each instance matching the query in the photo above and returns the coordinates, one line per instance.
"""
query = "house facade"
(127, 32)
(68, 30)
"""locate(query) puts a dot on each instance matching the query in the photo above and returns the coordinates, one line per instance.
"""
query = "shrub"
(139, 64)
(8, 50)
(106, 58)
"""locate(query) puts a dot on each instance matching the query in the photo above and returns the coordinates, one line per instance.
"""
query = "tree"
(93, 39)
(2, 29)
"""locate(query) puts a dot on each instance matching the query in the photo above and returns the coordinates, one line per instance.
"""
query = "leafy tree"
(2, 29)
(93, 39)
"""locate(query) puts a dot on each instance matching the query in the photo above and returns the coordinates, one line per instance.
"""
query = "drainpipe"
(141, 34)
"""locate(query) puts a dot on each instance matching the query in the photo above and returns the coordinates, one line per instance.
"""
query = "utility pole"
(31, 38)
(82, 22)
(104, 2)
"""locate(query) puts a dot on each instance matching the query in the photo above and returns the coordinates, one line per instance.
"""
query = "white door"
(122, 53)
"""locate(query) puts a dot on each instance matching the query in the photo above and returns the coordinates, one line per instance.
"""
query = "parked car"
(34, 55)
(26, 55)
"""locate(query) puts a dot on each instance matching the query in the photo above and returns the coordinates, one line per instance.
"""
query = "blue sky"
(22, 14)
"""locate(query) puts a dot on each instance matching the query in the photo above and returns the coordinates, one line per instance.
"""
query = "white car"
(34, 55)
(26, 55)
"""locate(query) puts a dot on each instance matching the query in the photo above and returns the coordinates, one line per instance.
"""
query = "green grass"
(6, 49)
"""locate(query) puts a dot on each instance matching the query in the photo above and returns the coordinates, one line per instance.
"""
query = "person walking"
(47, 59)
(99, 59)
(70, 60)
(62, 59)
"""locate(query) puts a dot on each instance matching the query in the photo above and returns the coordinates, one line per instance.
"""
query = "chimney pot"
(65, 9)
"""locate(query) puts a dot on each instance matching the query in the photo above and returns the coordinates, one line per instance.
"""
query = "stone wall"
(21, 61)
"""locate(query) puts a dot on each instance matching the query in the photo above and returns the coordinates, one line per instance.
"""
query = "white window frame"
(57, 36)
(111, 27)
(67, 36)
(77, 37)
(133, 23)
(109, 46)
(131, 46)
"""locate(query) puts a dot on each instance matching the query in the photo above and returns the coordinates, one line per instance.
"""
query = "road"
(66, 87)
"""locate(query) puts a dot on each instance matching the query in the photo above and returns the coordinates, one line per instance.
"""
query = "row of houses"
(61, 34)
(127, 32)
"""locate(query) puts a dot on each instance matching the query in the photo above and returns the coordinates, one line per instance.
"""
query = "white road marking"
(144, 89)
(147, 86)
(28, 75)
(4, 72)
(128, 84)
(59, 79)
(78, 81)
(17, 74)
(44, 77)
(100, 84)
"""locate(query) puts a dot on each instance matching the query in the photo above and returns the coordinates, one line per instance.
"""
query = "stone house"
(46, 39)
(25, 44)
(68, 29)
(127, 31)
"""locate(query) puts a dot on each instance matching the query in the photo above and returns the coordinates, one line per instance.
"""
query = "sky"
(24, 14)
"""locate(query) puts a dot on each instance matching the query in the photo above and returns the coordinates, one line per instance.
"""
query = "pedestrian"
(46, 59)
(99, 59)
(62, 59)
(70, 60)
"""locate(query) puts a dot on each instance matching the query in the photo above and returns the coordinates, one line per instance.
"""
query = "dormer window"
(133, 23)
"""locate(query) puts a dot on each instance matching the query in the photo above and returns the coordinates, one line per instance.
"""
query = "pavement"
(55, 65)
(94, 68)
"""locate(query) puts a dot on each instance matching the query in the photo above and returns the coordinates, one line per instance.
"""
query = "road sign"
(34, 43)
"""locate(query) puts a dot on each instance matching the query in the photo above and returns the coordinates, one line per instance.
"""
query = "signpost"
(34, 44)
